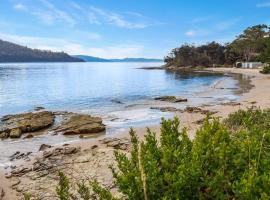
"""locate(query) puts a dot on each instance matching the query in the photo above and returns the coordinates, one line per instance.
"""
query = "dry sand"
(94, 157)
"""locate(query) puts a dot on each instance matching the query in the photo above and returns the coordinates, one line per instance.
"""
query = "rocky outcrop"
(81, 124)
(191, 109)
(167, 109)
(116, 143)
(172, 99)
(14, 126)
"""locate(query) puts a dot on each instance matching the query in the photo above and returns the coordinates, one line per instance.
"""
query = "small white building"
(249, 65)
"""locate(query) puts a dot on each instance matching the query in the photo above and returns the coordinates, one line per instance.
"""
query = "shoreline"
(103, 154)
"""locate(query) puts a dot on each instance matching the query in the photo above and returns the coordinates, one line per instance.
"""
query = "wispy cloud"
(263, 5)
(102, 16)
(49, 13)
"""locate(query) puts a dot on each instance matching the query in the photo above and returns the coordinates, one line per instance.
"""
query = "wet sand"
(94, 162)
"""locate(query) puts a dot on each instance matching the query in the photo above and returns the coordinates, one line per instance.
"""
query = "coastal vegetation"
(251, 45)
(227, 159)
(10, 52)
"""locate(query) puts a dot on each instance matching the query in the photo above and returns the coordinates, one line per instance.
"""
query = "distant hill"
(97, 59)
(10, 52)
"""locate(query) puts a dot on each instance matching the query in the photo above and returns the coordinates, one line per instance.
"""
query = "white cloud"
(99, 16)
(48, 13)
(263, 5)
(190, 33)
(75, 13)
(20, 7)
(74, 48)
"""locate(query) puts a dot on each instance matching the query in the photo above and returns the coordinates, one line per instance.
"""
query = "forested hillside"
(252, 45)
(10, 52)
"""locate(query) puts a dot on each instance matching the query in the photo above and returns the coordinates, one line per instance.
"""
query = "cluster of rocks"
(40, 177)
(191, 109)
(42, 163)
(172, 99)
(18, 155)
(13, 126)
(116, 143)
(167, 109)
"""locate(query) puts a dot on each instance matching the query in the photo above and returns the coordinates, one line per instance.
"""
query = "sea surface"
(121, 93)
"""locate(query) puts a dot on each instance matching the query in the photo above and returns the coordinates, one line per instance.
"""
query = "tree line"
(250, 46)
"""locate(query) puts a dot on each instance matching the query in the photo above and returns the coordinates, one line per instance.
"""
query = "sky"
(126, 28)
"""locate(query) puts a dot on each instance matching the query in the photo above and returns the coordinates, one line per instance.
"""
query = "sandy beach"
(89, 159)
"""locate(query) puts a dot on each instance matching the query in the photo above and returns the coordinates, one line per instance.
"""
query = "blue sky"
(126, 28)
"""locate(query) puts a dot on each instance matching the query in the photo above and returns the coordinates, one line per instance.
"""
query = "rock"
(172, 99)
(18, 155)
(116, 143)
(26, 122)
(81, 124)
(15, 133)
(4, 135)
(44, 147)
(28, 136)
(167, 109)
(117, 101)
(20, 171)
(38, 108)
(2, 194)
(61, 151)
(191, 109)
(231, 104)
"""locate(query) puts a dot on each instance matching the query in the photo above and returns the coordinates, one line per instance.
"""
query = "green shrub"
(229, 160)
(266, 70)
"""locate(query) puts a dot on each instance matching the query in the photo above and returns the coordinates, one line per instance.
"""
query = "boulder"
(15, 125)
(172, 99)
(81, 124)
(15, 133)
(4, 135)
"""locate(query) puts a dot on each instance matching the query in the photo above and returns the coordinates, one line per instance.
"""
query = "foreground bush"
(266, 70)
(229, 160)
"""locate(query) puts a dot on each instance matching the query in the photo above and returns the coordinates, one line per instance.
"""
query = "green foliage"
(252, 45)
(226, 160)
(63, 189)
(266, 70)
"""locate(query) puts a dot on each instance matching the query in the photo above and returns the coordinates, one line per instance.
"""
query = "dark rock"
(167, 109)
(172, 99)
(38, 108)
(117, 101)
(28, 136)
(44, 147)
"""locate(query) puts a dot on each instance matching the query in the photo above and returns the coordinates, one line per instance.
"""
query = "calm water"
(94, 87)
(81, 86)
